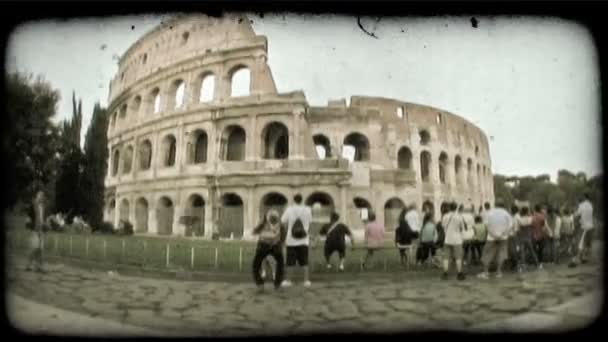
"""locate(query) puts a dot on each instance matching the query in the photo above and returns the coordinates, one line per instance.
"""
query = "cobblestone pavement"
(382, 304)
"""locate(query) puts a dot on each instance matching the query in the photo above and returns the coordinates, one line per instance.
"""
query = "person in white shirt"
(499, 227)
(297, 247)
(413, 218)
(484, 213)
(469, 221)
(454, 226)
(585, 214)
(566, 234)
(524, 234)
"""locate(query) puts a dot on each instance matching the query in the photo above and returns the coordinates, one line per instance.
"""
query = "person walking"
(512, 242)
(404, 236)
(584, 212)
(297, 218)
(454, 226)
(335, 233)
(269, 243)
(567, 240)
(428, 238)
(467, 243)
(374, 237)
(539, 233)
(479, 239)
(37, 213)
(525, 240)
(499, 226)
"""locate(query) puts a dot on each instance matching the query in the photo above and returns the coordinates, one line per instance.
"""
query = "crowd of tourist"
(516, 240)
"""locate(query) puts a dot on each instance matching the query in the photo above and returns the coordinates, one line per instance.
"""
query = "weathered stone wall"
(146, 115)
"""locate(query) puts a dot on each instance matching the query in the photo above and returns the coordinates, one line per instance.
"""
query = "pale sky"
(532, 84)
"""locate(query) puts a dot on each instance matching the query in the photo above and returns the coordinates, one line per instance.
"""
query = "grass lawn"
(225, 256)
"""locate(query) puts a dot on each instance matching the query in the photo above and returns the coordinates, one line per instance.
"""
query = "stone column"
(180, 148)
(135, 161)
(343, 205)
(155, 160)
(252, 142)
(152, 219)
(250, 215)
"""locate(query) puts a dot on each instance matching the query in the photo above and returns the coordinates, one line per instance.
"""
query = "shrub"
(105, 228)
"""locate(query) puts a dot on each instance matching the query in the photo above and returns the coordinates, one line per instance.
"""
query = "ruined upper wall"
(185, 38)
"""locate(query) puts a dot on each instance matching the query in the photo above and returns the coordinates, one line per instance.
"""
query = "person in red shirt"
(540, 232)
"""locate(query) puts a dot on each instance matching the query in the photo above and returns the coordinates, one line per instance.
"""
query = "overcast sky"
(532, 84)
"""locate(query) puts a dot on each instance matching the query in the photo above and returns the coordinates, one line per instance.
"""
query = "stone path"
(383, 304)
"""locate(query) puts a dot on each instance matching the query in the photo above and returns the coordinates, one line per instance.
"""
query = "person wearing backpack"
(269, 243)
(479, 239)
(454, 228)
(297, 219)
(335, 233)
(404, 235)
(500, 224)
(428, 237)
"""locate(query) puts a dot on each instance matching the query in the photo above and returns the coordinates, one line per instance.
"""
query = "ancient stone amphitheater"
(201, 142)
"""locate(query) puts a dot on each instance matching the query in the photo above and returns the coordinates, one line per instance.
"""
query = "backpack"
(297, 230)
(440, 234)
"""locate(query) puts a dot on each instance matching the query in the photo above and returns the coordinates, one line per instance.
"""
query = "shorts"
(497, 249)
(587, 238)
(452, 252)
(297, 254)
(403, 249)
(329, 250)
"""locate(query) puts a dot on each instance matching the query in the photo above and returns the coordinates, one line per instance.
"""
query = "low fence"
(171, 253)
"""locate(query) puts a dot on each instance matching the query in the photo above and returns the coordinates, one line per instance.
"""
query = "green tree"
(69, 191)
(95, 166)
(31, 142)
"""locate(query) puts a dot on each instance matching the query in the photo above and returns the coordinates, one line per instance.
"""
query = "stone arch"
(275, 138)
(135, 105)
(443, 166)
(122, 113)
(361, 145)
(195, 211)
(113, 120)
(425, 137)
(392, 209)
(458, 168)
(425, 166)
(322, 205)
(142, 211)
(206, 92)
(127, 160)
(125, 208)
(165, 212)
(153, 101)
(197, 147)
(231, 221)
(362, 206)
(234, 143)
(240, 81)
(404, 158)
(115, 161)
(322, 145)
(178, 92)
(273, 200)
(169, 146)
(111, 208)
(145, 154)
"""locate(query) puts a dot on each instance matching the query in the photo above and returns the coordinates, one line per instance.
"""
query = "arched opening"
(360, 143)
(123, 214)
(469, 171)
(141, 215)
(322, 145)
(425, 166)
(233, 143)
(123, 112)
(322, 206)
(400, 112)
(199, 154)
(438, 119)
(404, 158)
(443, 163)
(154, 100)
(458, 168)
(476, 150)
(179, 87)
(425, 137)
(207, 88)
(127, 160)
(168, 150)
(113, 120)
(115, 161)
(231, 217)
(240, 82)
(273, 200)
(363, 207)
(195, 213)
(136, 104)
(164, 216)
(392, 209)
(145, 155)
(276, 141)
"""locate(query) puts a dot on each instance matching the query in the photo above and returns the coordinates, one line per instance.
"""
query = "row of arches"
(203, 89)
(231, 213)
(275, 138)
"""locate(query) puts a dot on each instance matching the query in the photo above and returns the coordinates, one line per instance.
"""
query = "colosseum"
(201, 142)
